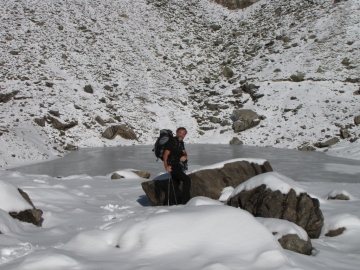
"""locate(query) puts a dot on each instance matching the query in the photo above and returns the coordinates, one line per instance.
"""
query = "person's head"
(181, 133)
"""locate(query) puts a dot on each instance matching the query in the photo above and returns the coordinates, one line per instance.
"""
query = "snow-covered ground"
(147, 65)
(92, 222)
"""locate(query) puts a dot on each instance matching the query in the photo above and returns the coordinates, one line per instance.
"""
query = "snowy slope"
(147, 60)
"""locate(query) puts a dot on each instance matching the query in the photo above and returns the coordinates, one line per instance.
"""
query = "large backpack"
(159, 148)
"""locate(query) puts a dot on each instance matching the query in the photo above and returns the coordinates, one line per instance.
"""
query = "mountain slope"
(156, 64)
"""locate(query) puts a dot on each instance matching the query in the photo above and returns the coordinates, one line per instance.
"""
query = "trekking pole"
(169, 189)
(174, 190)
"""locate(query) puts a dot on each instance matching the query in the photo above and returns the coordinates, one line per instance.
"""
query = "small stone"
(337, 232)
(115, 176)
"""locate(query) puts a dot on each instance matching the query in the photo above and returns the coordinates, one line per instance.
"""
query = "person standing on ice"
(175, 162)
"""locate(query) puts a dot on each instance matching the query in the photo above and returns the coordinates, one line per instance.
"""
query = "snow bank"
(226, 193)
(200, 200)
(282, 227)
(221, 164)
(190, 237)
(273, 181)
(128, 174)
(333, 222)
(335, 192)
(10, 198)
(8, 224)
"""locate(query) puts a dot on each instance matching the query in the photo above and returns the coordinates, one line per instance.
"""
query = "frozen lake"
(298, 165)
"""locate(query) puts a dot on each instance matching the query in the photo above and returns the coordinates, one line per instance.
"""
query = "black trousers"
(179, 176)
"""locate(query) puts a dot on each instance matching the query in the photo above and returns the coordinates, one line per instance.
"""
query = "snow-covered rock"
(272, 195)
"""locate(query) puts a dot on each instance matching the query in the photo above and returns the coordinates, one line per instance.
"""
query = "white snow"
(226, 193)
(153, 61)
(335, 192)
(86, 217)
(200, 200)
(282, 227)
(221, 164)
(272, 180)
(11, 199)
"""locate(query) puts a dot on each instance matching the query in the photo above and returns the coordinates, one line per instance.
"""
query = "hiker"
(175, 162)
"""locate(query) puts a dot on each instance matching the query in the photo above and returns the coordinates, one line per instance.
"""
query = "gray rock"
(215, 27)
(70, 147)
(30, 215)
(8, 96)
(339, 197)
(100, 120)
(115, 176)
(114, 130)
(227, 72)
(327, 143)
(236, 4)
(357, 120)
(301, 210)
(344, 133)
(294, 243)
(54, 113)
(245, 119)
(236, 141)
(40, 121)
(306, 148)
(88, 89)
(214, 120)
(142, 174)
(56, 123)
(208, 183)
(337, 232)
(298, 77)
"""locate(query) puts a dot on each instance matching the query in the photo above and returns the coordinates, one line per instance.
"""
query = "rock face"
(125, 132)
(208, 183)
(245, 119)
(294, 243)
(30, 215)
(236, 4)
(301, 210)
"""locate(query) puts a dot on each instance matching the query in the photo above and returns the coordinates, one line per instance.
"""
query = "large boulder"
(290, 236)
(122, 130)
(300, 209)
(31, 215)
(207, 182)
(56, 123)
(245, 119)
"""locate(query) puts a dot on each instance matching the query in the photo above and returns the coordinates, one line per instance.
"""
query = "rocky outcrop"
(236, 4)
(294, 243)
(56, 123)
(208, 183)
(30, 215)
(301, 210)
(121, 130)
(245, 119)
